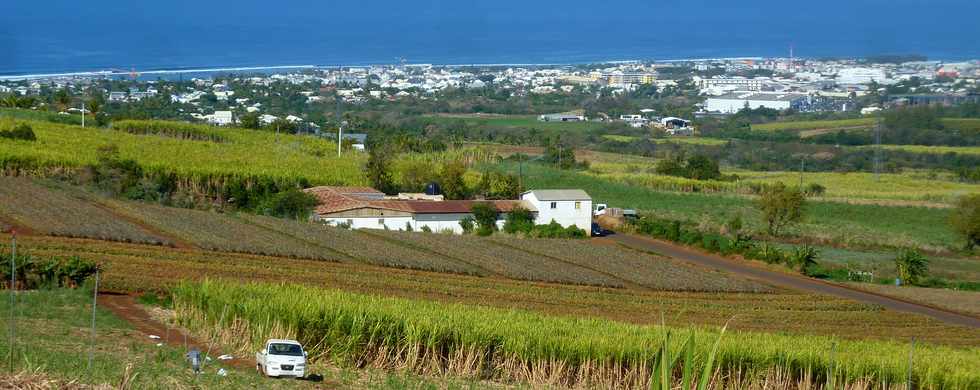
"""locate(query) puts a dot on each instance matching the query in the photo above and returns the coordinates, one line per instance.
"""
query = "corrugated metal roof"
(337, 199)
(568, 194)
(460, 206)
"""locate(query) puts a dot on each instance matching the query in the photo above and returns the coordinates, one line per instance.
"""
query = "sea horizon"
(111, 72)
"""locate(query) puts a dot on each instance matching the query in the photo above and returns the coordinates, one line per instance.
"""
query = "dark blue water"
(61, 36)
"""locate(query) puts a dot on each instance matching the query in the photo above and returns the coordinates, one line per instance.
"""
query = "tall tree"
(379, 170)
(451, 180)
(966, 219)
(781, 207)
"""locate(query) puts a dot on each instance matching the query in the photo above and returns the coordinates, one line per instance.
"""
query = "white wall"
(393, 223)
(731, 106)
(436, 222)
(564, 212)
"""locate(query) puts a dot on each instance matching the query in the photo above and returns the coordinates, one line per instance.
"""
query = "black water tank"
(433, 189)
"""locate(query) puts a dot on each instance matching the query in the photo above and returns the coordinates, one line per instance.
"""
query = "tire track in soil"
(125, 307)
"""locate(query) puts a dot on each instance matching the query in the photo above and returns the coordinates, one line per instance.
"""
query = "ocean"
(71, 36)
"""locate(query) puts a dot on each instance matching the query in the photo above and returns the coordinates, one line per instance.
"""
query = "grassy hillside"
(239, 153)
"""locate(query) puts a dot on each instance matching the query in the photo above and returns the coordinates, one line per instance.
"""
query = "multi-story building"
(619, 77)
(735, 101)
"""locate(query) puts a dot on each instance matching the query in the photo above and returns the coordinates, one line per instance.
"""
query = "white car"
(281, 358)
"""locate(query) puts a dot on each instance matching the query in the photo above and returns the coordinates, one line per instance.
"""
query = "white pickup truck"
(281, 358)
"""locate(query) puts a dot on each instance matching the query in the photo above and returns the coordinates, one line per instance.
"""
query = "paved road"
(789, 281)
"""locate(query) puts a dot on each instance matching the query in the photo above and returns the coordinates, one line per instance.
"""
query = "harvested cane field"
(125, 221)
(56, 212)
(135, 267)
(526, 347)
(632, 267)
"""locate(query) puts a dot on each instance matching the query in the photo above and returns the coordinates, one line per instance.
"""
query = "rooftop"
(770, 96)
(337, 199)
(567, 194)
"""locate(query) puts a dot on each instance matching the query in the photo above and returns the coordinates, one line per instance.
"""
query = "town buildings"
(735, 101)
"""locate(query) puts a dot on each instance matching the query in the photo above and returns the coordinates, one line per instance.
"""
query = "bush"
(34, 272)
(770, 254)
(291, 203)
(966, 219)
(21, 131)
(467, 224)
(519, 220)
(814, 189)
(485, 215)
(555, 230)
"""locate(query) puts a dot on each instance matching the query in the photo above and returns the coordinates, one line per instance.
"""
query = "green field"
(962, 124)
(53, 340)
(861, 224)
(243, 153)
(911, 185)
(816, 125)
(972, 150)
(520, 346)
(53, 337)
(525, 122)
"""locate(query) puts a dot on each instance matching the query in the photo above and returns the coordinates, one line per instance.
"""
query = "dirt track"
(789, 281)
(125, 307)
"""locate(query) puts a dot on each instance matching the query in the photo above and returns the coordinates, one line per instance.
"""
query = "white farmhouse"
(367, 208)
(567, 207)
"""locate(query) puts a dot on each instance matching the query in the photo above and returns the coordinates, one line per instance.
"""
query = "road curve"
(794, 282)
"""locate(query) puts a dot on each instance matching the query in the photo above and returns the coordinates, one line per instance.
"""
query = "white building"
(567, 207)
(851, 76)
(367, 208)
(735, 101)
(732, 83)
(221, 118)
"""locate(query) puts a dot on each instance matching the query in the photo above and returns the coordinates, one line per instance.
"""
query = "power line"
(877, 152)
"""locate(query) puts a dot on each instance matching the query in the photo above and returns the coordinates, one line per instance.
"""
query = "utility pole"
(520, 172)
(13, 286)
(559, 156)
(877, 158)
(340, 128)
(802, 168)
(340, 135)
(95, 300)
(911, 356)
(83, 114)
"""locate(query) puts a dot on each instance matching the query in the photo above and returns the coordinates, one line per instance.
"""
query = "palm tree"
(805, 258)
(911, 265)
